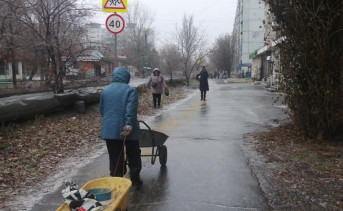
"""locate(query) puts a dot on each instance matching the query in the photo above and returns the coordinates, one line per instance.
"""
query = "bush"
(311, 58)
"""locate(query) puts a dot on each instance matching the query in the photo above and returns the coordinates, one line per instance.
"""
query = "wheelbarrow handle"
(141, 121)
(153, 153)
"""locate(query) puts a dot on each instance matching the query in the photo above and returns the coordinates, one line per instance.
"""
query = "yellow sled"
(120, 190)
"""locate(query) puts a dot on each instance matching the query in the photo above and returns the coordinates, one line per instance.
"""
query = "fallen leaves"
(305, 174)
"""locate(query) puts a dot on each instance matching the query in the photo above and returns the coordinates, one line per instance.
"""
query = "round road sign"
(115, 23)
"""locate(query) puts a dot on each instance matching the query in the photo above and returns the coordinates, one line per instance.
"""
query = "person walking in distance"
(120, 127)
(157, 84)
(203, 85)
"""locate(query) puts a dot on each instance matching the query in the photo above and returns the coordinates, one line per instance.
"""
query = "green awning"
(252, 55)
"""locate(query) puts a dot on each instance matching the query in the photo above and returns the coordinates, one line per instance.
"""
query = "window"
(2, 68)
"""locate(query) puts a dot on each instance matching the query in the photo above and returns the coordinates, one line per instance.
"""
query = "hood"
(121, 74)
(157, 70)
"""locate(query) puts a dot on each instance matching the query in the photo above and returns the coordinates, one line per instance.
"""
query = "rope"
(121, 151)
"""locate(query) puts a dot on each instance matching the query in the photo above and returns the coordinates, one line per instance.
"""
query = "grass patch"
(145, 106)
(37, 153)
(8, 131)
(280, 149)
(325, 166)
(312, 156)
(31, 167)
(297, 157)
(4, 144)
(38, 119)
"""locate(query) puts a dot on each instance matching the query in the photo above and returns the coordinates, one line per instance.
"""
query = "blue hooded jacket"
(118, 107)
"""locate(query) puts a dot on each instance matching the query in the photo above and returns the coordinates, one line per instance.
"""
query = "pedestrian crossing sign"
(114, 5)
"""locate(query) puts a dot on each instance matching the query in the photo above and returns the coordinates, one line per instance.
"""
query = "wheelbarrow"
(119, 192)
(155, 140)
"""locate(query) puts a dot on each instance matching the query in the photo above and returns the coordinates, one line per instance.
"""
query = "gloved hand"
(126, 130)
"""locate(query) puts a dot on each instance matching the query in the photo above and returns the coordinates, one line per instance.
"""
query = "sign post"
(115, 23)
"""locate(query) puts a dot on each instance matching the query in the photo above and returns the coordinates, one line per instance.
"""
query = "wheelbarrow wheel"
(162, 155)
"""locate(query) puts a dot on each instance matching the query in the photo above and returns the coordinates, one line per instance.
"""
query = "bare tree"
(15, 39)
(55, 29)
(234, 44)
(4, 15)
(139, 36)
(170, 59)
(221, 54)
(10, 33)
(191, 45)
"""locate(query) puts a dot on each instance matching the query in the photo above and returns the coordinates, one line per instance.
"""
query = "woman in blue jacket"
(118, 107)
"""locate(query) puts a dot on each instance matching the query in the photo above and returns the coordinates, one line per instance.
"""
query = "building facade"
(267, 59)
(249, 33)
(6, 77)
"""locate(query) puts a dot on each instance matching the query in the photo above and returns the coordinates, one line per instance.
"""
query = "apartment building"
(249, 33)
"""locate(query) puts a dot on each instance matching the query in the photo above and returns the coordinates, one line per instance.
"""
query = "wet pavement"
(206, 168)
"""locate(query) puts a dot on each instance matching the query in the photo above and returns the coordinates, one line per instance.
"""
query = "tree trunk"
(187, 80)
(60, 74)
(14, 69)
(36, 67)
(12, 57)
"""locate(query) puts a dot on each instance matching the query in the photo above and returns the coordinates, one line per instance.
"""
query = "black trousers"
(203, 95)
(156, 98)
(133, 155)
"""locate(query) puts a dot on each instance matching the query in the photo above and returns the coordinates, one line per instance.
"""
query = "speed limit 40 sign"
(115, 23)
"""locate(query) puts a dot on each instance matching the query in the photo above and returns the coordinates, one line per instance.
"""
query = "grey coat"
(161, 83)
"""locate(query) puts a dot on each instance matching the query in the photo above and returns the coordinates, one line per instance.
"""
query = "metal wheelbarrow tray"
(155, 140)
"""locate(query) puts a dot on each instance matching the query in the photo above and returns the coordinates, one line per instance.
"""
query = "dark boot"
(135, 178)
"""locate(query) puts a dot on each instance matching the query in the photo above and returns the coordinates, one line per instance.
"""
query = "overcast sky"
(214, 17)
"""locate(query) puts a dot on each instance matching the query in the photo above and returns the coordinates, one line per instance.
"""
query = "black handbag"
(166, 91)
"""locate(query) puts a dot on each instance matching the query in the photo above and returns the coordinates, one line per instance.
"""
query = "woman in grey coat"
(157, 84)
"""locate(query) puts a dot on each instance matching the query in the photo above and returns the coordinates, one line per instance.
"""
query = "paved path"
(206, 169)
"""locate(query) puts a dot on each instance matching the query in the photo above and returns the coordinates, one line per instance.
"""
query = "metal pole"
(116, 48)
(146, 58)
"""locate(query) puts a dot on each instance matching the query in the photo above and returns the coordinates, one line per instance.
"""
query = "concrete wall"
(256, 67)
(21, 84)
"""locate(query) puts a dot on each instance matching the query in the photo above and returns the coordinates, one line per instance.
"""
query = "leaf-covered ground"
(300, 174)
(31, 151)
